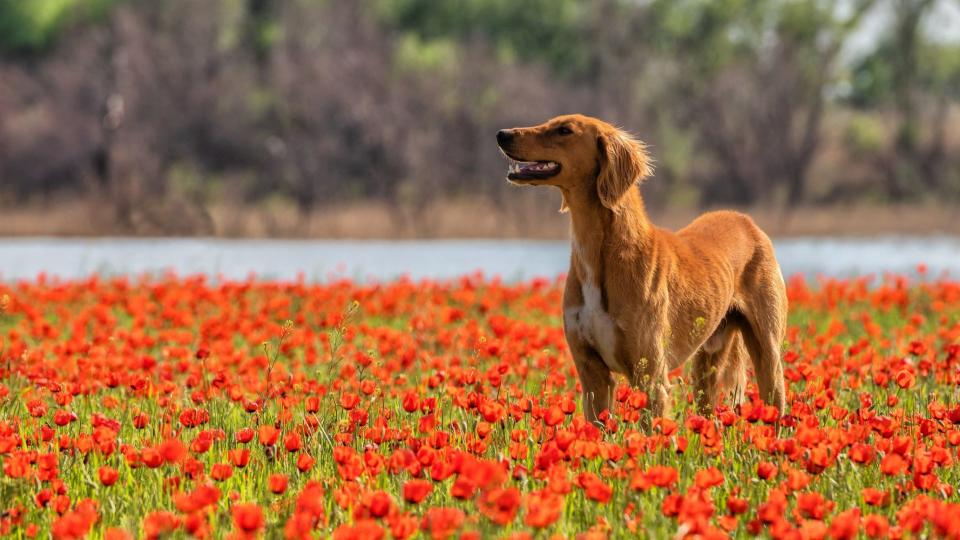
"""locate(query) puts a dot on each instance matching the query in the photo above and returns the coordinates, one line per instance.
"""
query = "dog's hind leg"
(706, 375)
(718, 368)
(650, 374)
(763, 334)
(732, 379)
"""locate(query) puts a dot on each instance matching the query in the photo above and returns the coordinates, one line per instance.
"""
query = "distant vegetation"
(174, 104)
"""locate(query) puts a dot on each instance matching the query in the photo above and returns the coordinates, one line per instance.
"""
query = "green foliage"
(940, 72)
(864, 134)
(436, 56)
(543, 30)
(33, 25)
(713, 34)
(937, 67)
(708, 34)
(872, 80)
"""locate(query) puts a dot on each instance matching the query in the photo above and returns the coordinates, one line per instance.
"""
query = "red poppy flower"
(500, 505)
(244, 435)
(349, 400)
(905, 379)
(305, 462)
(292, 442)
(708, 478)
(239, 457)
(441, 523)
(268, 435)
(876, 526)
(108, 475)
(893, 464)
(221, 471)
(542, 509)
(415, 491)
(766, 470)
(662, 476)
(277, 483)
(875, 497)
(594, 488)
(247, 517)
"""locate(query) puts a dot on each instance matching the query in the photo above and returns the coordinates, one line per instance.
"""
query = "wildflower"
(247, 517)
(876, 526)
(708, 478)
(905, 379)
(108, 475)
(361, 530)
(305, 462)
(268, 435)
(594, 488)
(415, 491)
(662, 476)
(766, 470)
(292, 442)
(277, 483)
(244, 435)
(221, 471)
(542, 509)
(893, 464)
(441, 523)
(349, 400)
(500, 505)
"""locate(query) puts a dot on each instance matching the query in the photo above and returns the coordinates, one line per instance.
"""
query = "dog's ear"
(623, 162)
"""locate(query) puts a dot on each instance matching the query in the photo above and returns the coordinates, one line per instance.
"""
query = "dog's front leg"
(596, 381)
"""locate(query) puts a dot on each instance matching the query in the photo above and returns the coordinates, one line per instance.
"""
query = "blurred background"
(376, 118)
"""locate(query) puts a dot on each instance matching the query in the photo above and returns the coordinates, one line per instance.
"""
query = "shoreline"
(443, 220)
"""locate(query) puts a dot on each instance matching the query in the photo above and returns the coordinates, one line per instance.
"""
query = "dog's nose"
(504, 136)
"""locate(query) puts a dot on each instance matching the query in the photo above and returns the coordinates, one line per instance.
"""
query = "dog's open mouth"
(531, 170)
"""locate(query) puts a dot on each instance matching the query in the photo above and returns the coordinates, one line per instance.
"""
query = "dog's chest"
(593, 324)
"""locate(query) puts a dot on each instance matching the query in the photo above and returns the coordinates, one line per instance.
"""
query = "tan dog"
(641, 300)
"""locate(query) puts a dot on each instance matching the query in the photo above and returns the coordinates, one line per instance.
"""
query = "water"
(323, 260)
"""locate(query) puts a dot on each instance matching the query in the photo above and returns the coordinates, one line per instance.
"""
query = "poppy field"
(186, 406)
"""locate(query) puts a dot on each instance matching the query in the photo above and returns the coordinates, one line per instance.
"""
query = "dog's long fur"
(641, 300)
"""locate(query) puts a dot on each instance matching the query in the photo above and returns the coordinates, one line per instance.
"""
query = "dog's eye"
(564, 130)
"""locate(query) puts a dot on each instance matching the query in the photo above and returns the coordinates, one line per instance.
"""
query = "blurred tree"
(916, 79)
(751, 80)
(176, 103)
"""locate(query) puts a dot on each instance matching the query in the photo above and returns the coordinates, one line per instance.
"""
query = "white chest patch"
(593, 324)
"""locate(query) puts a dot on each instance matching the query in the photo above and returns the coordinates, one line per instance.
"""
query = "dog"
(641, 300)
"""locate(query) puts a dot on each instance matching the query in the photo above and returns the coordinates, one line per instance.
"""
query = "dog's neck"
(597, 229)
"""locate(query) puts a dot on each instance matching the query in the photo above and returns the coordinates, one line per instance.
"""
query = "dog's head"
(575, 152)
